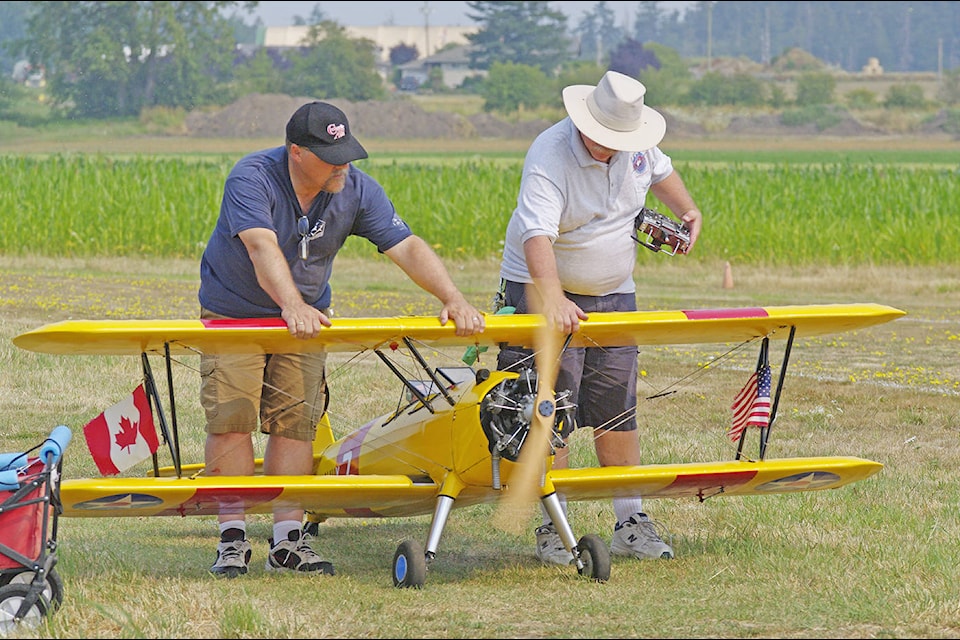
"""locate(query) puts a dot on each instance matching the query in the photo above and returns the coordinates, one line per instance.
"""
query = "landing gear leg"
(591, 555)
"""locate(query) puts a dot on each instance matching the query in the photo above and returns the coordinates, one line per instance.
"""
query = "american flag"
(751, 407)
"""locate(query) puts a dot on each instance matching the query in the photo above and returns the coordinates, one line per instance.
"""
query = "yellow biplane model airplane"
(457, 434)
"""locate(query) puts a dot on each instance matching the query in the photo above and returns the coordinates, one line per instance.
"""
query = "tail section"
(323, 439)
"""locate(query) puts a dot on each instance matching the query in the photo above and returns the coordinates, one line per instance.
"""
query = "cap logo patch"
(336, 130)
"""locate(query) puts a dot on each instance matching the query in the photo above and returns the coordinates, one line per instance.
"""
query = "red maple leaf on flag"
(127, 435)
(122, 435)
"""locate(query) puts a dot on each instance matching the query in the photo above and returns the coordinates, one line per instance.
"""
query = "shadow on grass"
(470, 547)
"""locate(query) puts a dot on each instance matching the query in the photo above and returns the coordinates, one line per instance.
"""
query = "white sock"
(623, 508)
(282, 529)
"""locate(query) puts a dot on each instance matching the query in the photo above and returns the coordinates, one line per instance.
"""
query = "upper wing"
(270, 335)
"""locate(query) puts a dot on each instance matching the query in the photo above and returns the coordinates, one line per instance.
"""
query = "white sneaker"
(550, 549)
(637, 536)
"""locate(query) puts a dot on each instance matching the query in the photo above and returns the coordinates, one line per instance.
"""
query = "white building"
(427, 40)
(453, 64)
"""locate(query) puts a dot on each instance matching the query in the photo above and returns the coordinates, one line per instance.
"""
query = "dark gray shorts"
(602, 380)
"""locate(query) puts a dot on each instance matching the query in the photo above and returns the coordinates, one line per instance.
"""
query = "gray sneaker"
(550, 549)
(295, 554)
(637, 536)
(232, 559)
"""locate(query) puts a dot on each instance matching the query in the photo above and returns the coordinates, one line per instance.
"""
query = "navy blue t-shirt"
(258, 193)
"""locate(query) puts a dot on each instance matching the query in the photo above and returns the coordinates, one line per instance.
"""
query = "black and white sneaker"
(233, 556)
(295, 554)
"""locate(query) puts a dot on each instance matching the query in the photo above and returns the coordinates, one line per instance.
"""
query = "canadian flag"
(122, 435)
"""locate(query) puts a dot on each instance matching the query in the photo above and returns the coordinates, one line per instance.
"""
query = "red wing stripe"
(722, 314)
(243, 323)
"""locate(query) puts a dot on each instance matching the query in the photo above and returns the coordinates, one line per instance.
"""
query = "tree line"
(114, 59)
(906, 37)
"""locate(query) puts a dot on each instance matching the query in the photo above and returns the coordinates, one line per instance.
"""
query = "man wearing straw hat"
(584, 181)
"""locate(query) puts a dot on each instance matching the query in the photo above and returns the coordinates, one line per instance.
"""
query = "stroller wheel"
(52, 586)
(12, 599)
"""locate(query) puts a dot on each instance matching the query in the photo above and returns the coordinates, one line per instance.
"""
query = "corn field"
(836, 213)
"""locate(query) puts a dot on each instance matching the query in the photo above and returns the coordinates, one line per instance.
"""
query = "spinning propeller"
(525, 482)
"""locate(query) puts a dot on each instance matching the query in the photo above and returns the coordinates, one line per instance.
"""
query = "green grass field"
(877, 559)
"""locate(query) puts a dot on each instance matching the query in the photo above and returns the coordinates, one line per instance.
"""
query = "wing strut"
(430, 372)
(765, 432)
(151, 388)
(175, 448)
(764, 359)
(409, 385)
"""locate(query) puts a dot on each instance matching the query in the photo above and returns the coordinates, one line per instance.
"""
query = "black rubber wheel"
(595, 556)
(52, 587)
(409, 565)
(12, 597)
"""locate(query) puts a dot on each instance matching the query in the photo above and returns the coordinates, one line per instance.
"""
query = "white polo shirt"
(587, 209)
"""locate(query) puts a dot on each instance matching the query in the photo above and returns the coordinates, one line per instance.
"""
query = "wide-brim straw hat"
(613, 114)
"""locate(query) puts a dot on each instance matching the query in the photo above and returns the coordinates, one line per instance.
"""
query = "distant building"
(873, 68)
(453, 64)
(427, 40)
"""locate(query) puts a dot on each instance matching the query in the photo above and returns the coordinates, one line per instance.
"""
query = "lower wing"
(327, 496)
(398, 495)
(704, 480)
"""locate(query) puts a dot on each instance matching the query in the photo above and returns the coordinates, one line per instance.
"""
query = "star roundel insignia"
(801, 482)
(120, 501)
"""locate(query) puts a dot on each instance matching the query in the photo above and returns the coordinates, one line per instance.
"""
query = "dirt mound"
(488, 126)
(265, 116)
(252, 116)
(770, 124)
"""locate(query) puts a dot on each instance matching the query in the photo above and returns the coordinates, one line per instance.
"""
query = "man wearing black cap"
(285, 213)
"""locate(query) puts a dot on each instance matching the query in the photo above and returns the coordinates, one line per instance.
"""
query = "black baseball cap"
(323, 128)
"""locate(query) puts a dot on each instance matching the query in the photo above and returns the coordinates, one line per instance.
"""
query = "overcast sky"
(370, 14)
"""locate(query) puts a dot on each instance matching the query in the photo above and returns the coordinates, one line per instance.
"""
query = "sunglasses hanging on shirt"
(307, 234)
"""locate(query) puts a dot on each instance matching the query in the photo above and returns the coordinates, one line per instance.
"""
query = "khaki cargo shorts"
(284, 393)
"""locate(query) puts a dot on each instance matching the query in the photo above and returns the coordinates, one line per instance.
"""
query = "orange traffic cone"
(727, 277)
